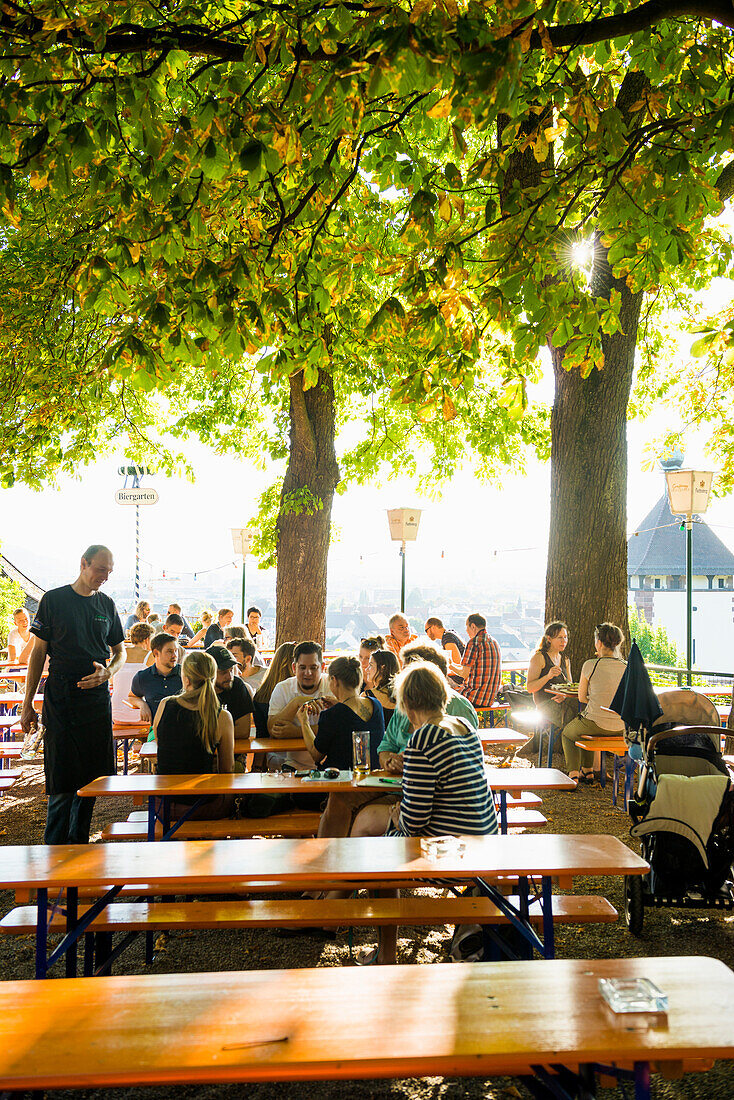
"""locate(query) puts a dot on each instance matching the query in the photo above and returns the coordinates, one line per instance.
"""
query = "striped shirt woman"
(445, 789)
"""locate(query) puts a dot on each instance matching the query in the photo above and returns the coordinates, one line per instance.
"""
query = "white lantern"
(404, 523)
(688, 491)
(242, 540)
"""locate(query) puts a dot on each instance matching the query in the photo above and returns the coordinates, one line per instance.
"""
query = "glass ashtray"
(633, 995)
(435, 847)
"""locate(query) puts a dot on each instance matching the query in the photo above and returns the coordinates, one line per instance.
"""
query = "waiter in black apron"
(77, 626)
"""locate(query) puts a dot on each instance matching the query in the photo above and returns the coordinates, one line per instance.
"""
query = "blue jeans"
(68, 819)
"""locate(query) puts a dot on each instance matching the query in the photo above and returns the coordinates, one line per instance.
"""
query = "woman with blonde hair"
(445, 789)
(281, 668)
(195, 734)
(206, 622)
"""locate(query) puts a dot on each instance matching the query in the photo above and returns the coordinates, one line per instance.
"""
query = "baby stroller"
(684, 815)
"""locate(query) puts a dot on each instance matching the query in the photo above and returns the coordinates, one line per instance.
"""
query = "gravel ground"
(666, 932)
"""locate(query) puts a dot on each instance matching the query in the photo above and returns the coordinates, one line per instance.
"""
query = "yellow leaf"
(134, 250)
(260, 51)
(449, 408)
(444, 208)
(441, 109)
(525, 38)
(38, 181)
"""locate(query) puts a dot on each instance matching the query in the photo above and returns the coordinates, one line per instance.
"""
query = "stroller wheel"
(634, 904)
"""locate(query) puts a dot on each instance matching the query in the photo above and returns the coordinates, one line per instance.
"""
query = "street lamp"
(403, 528)
(242, 541)
(688, 495)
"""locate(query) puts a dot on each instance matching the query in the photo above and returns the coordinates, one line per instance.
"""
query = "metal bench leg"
(41, 932)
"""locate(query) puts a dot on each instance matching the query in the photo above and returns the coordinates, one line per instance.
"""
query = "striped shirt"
(483, 658)
(445, 789)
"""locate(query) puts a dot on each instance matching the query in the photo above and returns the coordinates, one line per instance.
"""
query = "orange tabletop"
(316, 860)
(370, 1022)
(500, 779)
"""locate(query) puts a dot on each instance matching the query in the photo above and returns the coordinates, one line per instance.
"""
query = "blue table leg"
(602, 768)
(41, 931)
(503, 811)
(642, 1081)
(72, 915)
(151, 817)
(125, 745)
(549, 942)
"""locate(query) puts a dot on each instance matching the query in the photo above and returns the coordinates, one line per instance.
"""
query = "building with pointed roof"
(656, 579)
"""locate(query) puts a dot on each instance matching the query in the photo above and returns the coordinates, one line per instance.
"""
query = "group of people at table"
(416, 700)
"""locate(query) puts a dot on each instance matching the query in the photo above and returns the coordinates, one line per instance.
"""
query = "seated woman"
(331, 746)
(382, 668)
(366, 648)
(195, 734)
(547, 667)
(281, 668)
(136, 655)
(445, 789)
(599, 681)
(206, 622)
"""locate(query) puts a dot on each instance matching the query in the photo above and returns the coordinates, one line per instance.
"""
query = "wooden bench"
(291, 824)
(622, 763)
(414, 911)
(544, 1024)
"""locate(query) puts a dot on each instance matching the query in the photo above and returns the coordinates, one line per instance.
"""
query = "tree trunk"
(586, 582)
(304, 521)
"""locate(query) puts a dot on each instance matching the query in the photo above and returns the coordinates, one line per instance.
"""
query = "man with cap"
(231, 690)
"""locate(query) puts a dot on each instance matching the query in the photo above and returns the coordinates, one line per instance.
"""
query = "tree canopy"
(398, 203)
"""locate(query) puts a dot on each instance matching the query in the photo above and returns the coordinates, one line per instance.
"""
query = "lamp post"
(404, 524)
(242, 541)
(688, 495)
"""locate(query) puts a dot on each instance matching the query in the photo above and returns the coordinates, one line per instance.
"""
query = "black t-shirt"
(449, 636)
(214, 633)
(237, 700)
(79, 630)
(334, 734)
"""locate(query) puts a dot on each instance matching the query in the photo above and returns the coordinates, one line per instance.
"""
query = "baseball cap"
(222, 656)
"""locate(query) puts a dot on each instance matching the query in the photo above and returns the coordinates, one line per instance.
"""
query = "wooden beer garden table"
(180, 868)
(167, 788)
(548, 1025)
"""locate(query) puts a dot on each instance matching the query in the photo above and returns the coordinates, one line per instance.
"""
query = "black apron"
(78, 744)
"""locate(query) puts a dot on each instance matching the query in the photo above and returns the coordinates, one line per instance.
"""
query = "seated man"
(309, 683)
(161, 679)
(175, 609)
(215, 632)
(342, 809)
(400, 635)
(20, 639)
(481, 665)
(231, 691)
(244, 652)
(447, 639)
